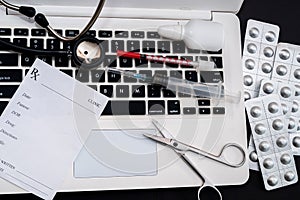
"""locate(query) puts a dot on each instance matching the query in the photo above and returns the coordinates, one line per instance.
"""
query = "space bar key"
(125, 108)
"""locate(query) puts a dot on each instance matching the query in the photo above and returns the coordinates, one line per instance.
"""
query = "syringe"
(212, 91)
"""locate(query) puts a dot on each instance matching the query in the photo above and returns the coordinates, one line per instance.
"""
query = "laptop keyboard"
(128, 96)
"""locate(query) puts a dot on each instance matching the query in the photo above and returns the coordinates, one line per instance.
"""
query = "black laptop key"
(5, 31)
(189, 111)
(161, 72)
(105, 45)
(168, 93)
(164, 47)
(72, 33)
(107, 90)
(125, 108)
(138, 91)
(141, 63)
(211, 76)
(178, 47)
(156, 64)
(156, 107)
(138, 34)
(37, 43)
(219, 110)
(171, 64)
(8, 59)
(194, 51)
(153, 35)
(67, 46)
(113, 77)
(173, 107)
(204, 111)
(10, 75)
(27, 60)
(154, 91)
(7, 91)
(189, 58)
(38, 32)
(20, 42)
(204, 102)
(105, 34)
(3, 105)
(122, 91)
(117, 45)
(133, 46)
(91, 33)
(218, 61)
(21, 32)
(121, 34)
(82, 75)
(128, 79)
(59, 31)
(110, 61)
(125, 62)
(61, 61)
(191, 76)
(3, 47)
(98, 76)
(53, 44)
(46, 59)
(148, 46)
(148, 74)
(176, 74)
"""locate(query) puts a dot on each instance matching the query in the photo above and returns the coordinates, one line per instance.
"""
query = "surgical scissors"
(181, 149)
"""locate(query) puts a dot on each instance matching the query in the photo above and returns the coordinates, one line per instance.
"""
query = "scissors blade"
(160, 139)
(162, 130)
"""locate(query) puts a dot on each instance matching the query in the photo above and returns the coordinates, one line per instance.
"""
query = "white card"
(44, 127)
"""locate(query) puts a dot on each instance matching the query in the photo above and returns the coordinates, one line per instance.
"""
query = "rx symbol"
(34, 73)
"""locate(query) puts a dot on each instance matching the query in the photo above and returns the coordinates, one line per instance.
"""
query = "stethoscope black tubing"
(30, 51)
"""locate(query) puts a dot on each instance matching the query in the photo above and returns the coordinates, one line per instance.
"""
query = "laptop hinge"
(109, 12)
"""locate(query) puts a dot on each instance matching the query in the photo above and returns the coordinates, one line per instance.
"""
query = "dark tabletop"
(283, 13)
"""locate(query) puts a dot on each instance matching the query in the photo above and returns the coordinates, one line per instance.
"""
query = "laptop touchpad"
(117, 153)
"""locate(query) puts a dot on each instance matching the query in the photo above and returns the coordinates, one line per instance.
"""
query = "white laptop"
(128, 24)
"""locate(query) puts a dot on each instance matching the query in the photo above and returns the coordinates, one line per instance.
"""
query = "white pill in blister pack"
(250, 64)
(295, 142)
(271, 141)
(253, 157)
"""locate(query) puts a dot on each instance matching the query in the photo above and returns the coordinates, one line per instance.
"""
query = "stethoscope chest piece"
(88, 53)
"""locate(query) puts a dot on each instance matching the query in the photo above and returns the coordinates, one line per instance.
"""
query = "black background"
(283, 13)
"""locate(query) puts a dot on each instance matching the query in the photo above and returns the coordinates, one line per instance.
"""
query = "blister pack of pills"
(258, 55)
(291, 110)
(272, 141)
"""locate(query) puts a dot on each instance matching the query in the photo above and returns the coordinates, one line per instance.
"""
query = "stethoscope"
(86, 52)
